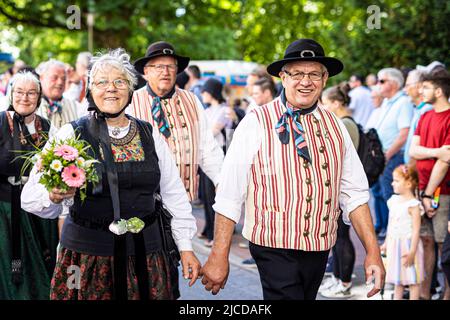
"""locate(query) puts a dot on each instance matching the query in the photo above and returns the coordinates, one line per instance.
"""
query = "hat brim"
(182, 62)
(334, 66)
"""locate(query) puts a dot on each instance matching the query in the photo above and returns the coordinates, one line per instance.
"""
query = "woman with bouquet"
(27, 242)
(111, 245)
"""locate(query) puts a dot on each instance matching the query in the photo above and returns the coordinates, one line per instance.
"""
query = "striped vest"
(58, 119)
(292, 204)
(182, 115)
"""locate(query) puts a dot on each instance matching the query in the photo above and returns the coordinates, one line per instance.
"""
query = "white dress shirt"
(233, 181)
(35, 198)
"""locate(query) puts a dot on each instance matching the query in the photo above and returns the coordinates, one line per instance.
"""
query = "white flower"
(89, 163)
(56, 165)
(80, 162)
(35, 158)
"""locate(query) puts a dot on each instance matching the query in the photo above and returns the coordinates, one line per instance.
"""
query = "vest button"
(305, 233)
(308, 181)
(323, 235)
(180, 113)
(325, 218)
(328, 201)
(183, 125)
(318, 133)
(305, 164)
(322, 149)
(315, 120)
(325, 166)
(168, 113)
(307, 216)
(327, 183)
(171, 126)
(308, 198)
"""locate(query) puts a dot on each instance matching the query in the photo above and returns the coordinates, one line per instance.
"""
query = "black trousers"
(343, 253)
(209, 193)
(289, 274)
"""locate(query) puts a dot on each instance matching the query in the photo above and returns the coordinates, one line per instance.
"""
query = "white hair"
(118, 59)
(45, 66)
(393, 74)
(84, 58)
(23, 76)
(416, 75)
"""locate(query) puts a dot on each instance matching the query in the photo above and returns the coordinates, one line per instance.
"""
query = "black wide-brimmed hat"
(214, 87)
(159, 49)
(306, 50)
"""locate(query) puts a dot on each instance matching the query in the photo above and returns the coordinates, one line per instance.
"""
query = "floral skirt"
(81, 276)
(396, 272)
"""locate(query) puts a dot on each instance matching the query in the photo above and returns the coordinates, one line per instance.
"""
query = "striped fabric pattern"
(67, 113)
(291, 203)
(183, 120)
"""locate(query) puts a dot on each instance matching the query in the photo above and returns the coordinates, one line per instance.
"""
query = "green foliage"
(412, 32)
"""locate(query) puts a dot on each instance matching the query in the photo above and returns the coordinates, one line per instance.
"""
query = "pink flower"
(66, 152)
(39, 166)
(73, 176)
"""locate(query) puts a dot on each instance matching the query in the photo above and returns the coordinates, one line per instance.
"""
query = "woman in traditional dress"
(27, 242)
(98, 259)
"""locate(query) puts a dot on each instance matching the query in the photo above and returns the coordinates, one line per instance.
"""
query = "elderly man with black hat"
(294, 165)
(178, 114)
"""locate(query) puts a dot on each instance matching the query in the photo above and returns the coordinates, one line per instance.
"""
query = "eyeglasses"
(162, 67)
(118, 84)
(313, 76)
(29, 94)
(383, 80)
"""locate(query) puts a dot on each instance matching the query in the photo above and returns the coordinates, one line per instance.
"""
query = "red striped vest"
(181, 114)
(292, 204)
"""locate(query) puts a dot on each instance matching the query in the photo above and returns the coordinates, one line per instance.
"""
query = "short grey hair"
(393, 74)
(84, 58)
(23, 76)
(416, 75)
(45, 66)
(118, 59)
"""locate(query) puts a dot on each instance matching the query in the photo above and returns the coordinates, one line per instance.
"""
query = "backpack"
(370, 152)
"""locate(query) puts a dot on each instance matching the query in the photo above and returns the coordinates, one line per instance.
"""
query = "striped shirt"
(191, 140)
(288, 202)
(70, 111)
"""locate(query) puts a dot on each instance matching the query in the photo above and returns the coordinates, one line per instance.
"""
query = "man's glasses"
(162, 67)
(313, 76)
(29, 94)
(383, 81)
(118, 84)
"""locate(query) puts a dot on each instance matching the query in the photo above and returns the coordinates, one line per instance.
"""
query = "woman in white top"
(134, 164)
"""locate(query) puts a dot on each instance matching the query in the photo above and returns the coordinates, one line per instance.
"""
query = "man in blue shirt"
(393, 127)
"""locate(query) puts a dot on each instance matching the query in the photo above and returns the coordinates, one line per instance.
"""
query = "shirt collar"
(314, 110)
(153, 94)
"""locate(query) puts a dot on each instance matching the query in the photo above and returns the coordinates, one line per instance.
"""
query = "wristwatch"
(423, 195)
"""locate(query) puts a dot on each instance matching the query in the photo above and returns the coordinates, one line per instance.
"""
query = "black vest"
(8, 154)
(138, 181)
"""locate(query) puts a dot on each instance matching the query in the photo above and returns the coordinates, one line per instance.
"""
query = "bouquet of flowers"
(65, 164)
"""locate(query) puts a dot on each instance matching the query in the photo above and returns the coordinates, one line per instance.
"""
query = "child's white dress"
(399, 235)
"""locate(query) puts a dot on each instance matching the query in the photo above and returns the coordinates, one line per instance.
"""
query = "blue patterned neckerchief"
(53, 106)
(158, 112)
(283, 129)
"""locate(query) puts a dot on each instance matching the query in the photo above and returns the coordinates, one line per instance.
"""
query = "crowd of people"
(287, 156)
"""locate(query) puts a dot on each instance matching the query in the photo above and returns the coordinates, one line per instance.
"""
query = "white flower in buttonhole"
(56, 165)
(80, 162)
(35, 158)
(89, 163)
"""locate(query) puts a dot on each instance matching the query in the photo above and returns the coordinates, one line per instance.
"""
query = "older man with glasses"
(396, 113)
(294, 166)
(178, 114)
